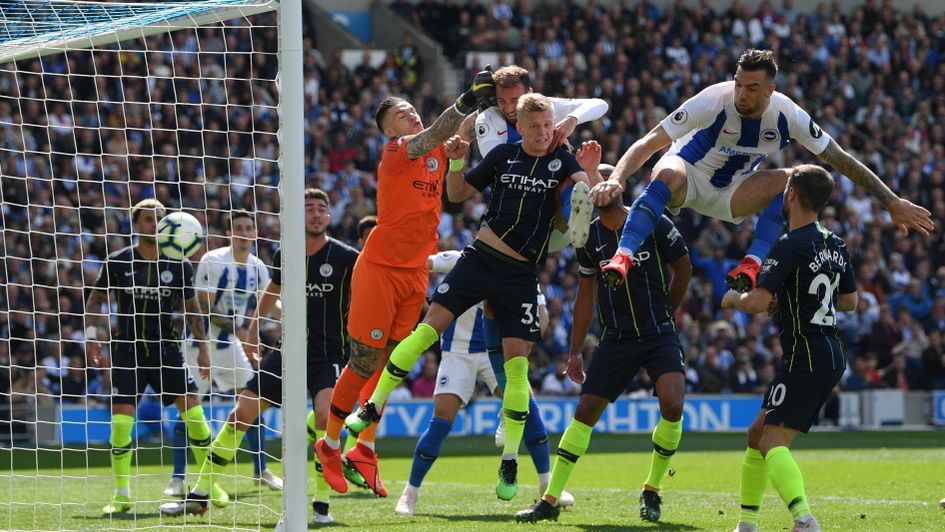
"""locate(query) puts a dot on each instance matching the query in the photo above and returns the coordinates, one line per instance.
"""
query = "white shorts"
(707, 199)
(458, 373)
(229, 368)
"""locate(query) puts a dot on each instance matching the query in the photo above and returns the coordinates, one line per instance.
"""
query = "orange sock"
(343, 399)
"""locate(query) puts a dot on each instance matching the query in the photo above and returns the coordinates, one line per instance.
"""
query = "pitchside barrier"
(78, 425)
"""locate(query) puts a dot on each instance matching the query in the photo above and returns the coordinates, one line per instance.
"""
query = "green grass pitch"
(882, 481)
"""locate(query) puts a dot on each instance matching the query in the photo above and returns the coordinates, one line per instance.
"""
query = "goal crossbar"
(34, 28)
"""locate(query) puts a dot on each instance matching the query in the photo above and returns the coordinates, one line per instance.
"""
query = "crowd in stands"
(77, 150)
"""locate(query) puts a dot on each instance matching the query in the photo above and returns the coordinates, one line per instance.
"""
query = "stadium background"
(873, 77)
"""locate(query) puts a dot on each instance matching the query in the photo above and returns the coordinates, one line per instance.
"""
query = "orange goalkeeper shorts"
(385, 302)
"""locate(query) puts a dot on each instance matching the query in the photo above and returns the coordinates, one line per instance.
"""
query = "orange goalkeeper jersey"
(408, 206)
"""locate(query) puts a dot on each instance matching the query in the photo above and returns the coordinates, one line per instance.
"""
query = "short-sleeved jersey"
(147, 293)
(492, 129)
(234, 288)
(807, 268)
(639, 307)
(523, 201)
(465, 334)
(408, 206)
(328, 297)
(709, 134)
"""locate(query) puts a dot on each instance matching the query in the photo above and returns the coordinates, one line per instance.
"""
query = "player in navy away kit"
(810, 273)
(145, 347)
(328, 266)
(638, 330)
(500, 266)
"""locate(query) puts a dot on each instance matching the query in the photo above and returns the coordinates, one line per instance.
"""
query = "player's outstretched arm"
(96, 324)
(905, 214)
(447, 124)
(754, 302)
(680, 272)
(631, 161)
(578, 111)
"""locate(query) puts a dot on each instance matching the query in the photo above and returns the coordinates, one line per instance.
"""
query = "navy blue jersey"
(147, 293)
(806, 269)
(523, 201)
(328, 297)
(640, 307)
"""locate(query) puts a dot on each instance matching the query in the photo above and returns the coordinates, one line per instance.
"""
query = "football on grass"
(179, 235)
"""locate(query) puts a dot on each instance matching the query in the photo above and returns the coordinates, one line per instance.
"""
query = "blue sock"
(428, 449)
(566, 203)
(494, 347)
(179, 442)
(768, 229)
(536, 439)
(644, 214)
(254, 437)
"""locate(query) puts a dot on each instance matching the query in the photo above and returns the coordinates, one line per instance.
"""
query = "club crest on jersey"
(167, 276)
(770, 135)
(325, 270)
(377, 334)
(444, 379)
(432, 164)
(443, 288)
(483, 129)
(679, 117)
(554, 165)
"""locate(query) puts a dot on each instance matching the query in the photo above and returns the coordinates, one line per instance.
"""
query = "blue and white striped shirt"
(709, 134)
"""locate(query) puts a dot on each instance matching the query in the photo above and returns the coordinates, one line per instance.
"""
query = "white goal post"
(196, 103)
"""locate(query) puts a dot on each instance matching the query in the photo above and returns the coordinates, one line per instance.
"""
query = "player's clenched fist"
(455, 147)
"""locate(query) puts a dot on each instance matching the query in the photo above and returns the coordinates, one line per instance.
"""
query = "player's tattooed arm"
(443, 128)
(905, 214)
(467, 129)
(364, 359)
(844, 163)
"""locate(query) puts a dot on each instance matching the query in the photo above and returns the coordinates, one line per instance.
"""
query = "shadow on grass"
(661, 526)
(487, 518)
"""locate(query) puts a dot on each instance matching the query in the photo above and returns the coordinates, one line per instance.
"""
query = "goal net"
(103, 105)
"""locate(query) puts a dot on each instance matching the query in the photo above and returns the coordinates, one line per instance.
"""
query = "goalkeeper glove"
(481, 91)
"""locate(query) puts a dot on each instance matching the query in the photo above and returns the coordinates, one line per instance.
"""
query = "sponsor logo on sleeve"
(679, 117)
(815, 130)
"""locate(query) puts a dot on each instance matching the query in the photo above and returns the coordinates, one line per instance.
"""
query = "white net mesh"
(176, 102)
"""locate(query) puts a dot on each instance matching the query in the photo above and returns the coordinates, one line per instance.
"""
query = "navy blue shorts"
(322, 373)
(507, 284)
(795, 399)
(160, 365)
(616, 362)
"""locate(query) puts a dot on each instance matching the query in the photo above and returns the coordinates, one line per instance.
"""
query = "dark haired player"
(809, 272)
(717, 141)
(638, 331)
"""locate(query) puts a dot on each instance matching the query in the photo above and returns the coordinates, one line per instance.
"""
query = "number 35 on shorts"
(530, 316)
